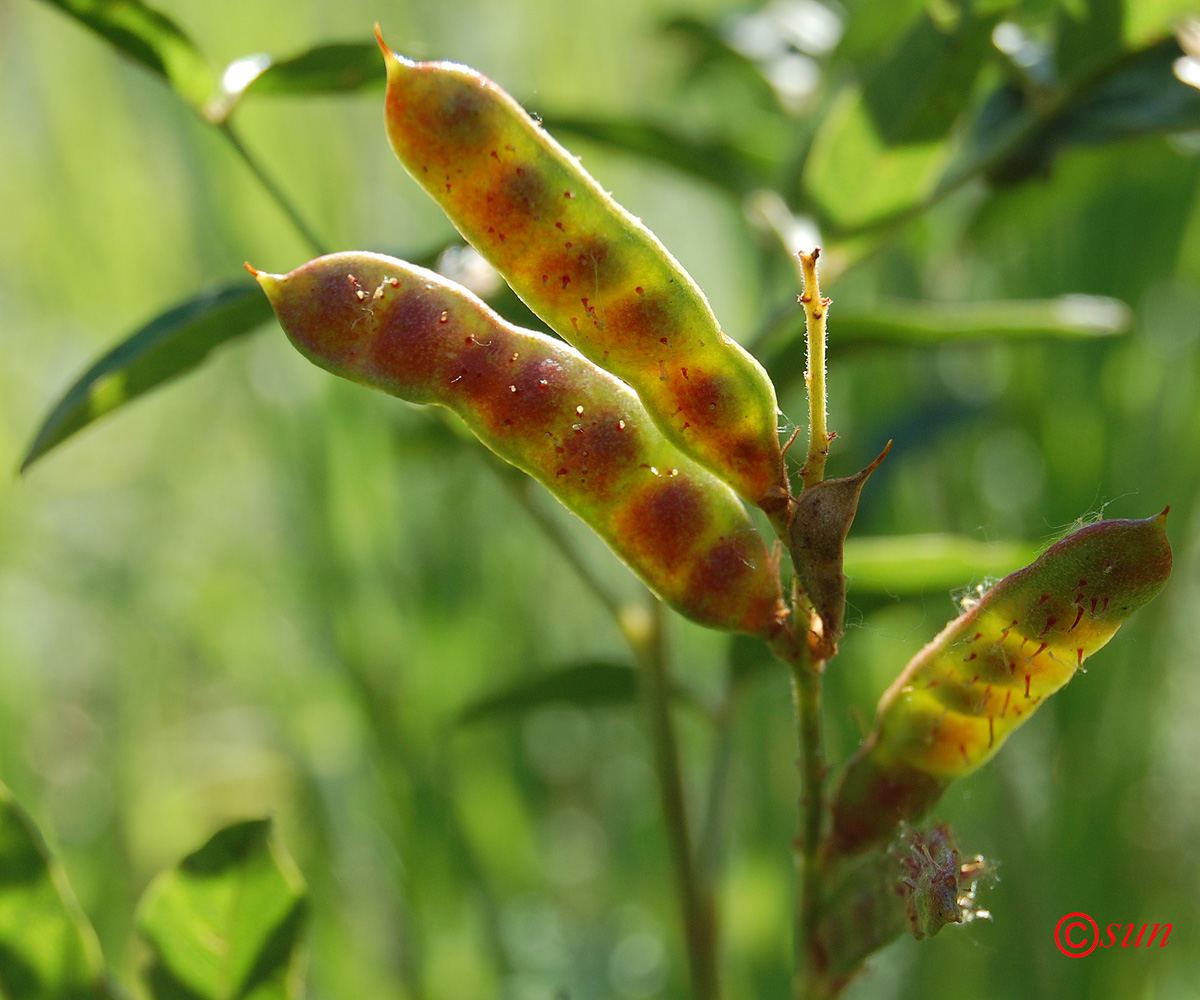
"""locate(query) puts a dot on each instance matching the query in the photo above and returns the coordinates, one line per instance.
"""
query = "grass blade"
(168, 346)
(149, 38)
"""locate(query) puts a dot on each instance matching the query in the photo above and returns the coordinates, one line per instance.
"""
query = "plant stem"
(522, 489)
(273, 189)
(643, 627)
(815, 311)
(806, 679)
(806, 668)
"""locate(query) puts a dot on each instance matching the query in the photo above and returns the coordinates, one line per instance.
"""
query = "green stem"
(273, 189)
(643, 630)
(522, 489)
(806, 679)
(643, 627)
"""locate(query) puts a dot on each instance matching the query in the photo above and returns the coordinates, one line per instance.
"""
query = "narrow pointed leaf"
(589, 269)
(905, 565)
(720, 163)
(149, 38)
(917, 323)
(226, 922)
(48, 950)
(584, 685)
(333, 68)
(1140, 93)
(168, 346)
(543, 407)
(987, 672)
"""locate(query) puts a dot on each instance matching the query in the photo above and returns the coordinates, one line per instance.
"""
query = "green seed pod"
(540, 405)
(990, 668)
(587, 267)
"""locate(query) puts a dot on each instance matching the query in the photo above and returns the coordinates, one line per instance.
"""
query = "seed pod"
(990, 668)
(588, 268)
(540, 405)
(821, 520)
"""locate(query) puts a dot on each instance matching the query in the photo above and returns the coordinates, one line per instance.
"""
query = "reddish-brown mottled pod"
(542, 406)
(587, 267)
(987, 672)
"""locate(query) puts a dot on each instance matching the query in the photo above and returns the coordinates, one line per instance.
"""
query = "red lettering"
(1125, 941)
(1112, 938)
(1162, 943)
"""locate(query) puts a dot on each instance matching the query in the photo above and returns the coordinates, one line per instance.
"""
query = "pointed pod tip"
(252, 269)
(379, 38)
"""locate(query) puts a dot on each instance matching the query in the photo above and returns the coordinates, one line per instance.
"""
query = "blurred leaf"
(749, 657)
(1089, 35)
(911, 564)
(879, 150)
(1141, 94)
(48, 950)
(149, 38)
(711, 51)
(874, 27)
(720, 163)
(918, 323)
(333, 68)
(166, 347)
(1148, 20)
(225, 923)
(918, 94)
(856, 178)
(584, 685)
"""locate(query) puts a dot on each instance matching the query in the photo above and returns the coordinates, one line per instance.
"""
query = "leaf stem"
(643, 628)
(816, 310)
(273, 189)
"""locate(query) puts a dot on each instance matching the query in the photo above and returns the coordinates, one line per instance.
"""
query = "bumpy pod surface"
(959, 698)
(587, 267)
(542, 406)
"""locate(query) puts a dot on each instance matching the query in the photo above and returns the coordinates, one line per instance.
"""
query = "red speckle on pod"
(727, 582)
(663, 519)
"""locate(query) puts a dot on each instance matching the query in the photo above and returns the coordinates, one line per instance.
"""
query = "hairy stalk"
(815, 311)
(807, 667)
(643, 627)
(273, 189)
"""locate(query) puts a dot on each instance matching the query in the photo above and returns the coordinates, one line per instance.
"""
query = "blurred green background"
(266, 591)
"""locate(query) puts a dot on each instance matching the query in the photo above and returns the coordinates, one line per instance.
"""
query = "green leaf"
(168, 346)
(918, 94)
(880, 150)
(916, 323)
(584, 685)
(719, 163)
(858, 180)
(48, 950)
(332, 68)
(225, 923)
(149, 38)
(913, 564)
(1139, 94)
